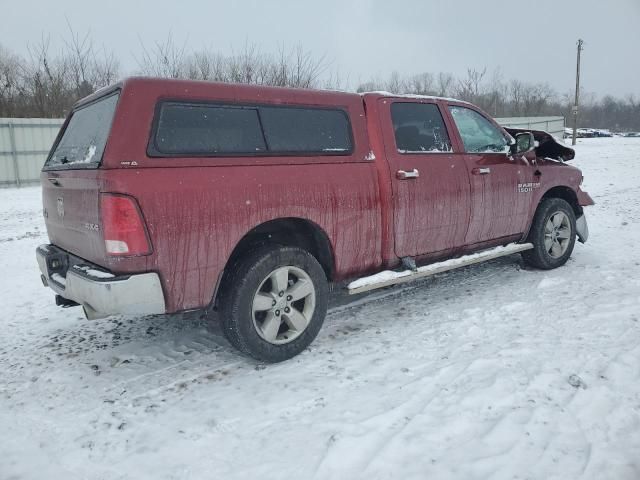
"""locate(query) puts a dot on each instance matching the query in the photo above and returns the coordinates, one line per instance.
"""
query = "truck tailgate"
(72, 179)
(71, 207)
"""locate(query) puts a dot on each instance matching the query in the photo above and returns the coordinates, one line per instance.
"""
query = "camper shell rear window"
(85, 137)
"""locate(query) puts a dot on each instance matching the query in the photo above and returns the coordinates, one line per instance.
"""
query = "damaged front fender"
(547, 147)
(584, 199)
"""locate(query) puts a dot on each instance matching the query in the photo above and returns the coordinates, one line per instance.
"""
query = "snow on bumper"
(99, 292)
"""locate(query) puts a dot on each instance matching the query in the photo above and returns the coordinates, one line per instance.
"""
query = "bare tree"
(496, 95)
(516, 91)
(46, 79)
(86, 68)
(11, 85)
(335, 81)
(445, 84)
(536, 97)
(79, 61)
(422, 84)
(47, 83)
(106, 69)
(288, 68)
(469, 88)
(371, 86)
(294, 68)
(163, 59)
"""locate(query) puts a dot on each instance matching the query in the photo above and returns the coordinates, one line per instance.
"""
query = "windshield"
(85, 137)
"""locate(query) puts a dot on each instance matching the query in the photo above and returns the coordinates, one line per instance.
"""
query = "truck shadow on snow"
(163, 340)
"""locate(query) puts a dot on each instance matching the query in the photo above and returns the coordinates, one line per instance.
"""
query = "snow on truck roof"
(414, 96)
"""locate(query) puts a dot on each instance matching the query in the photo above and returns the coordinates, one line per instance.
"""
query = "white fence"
(24, 145)
(552, 125)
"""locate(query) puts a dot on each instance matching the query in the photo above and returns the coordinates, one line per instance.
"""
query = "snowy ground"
(487, 372)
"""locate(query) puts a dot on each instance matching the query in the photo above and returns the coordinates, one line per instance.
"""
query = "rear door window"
(419, 128)
(185, 129)
(85, 137)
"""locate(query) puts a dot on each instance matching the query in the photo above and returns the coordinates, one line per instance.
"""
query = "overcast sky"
(529, 40)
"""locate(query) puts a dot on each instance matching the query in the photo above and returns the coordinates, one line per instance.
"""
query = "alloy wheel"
(557, 234)
(283, 305)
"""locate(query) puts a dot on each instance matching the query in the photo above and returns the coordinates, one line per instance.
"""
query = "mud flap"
(582, 229)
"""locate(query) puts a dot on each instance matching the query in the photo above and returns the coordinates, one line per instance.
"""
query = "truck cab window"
(419, 128)
(478, 134)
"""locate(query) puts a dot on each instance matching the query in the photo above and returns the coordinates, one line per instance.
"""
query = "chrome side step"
(388, 278)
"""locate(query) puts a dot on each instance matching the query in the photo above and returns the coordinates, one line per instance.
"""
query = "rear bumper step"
(388, 278)
(99, 292)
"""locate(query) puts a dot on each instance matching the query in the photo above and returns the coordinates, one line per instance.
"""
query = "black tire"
(237, 297)
(540, 256)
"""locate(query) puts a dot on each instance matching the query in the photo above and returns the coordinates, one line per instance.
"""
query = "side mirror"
(524, 143)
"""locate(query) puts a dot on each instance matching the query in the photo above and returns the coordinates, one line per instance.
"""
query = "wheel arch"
(567, 194)
(289, 231)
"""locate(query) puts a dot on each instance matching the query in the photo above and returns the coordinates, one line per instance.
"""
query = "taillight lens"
(122, 226)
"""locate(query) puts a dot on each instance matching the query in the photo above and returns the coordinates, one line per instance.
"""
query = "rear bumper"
(101, 293)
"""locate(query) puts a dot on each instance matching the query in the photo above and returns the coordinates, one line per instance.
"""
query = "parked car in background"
(587, 133)
(596, 132)
(162, 196)
(601, 132)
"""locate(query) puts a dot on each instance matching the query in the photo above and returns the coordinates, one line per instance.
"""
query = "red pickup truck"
(163, 196)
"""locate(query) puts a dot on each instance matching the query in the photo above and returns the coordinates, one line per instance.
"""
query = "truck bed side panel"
(198, 209)
(196, 216)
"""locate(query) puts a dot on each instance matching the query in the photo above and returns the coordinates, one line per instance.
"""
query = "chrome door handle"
(404, 175)
(481, 171)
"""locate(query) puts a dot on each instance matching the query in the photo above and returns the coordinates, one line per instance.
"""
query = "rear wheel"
(274, 302)
(553, 234)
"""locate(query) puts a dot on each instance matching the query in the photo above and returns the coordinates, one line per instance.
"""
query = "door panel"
(499, 207)
(431, 207)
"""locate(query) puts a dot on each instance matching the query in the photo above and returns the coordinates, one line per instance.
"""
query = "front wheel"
(274, 302)
(553, 235)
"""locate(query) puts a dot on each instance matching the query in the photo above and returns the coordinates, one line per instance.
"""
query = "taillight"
(122, 226)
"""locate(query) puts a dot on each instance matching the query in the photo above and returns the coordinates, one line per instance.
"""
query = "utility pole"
(575, 105)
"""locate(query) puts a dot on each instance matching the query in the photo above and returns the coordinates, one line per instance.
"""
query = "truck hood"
(548, 146)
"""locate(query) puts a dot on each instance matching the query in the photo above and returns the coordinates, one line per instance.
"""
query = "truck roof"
(182, 87)
(269, 93)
